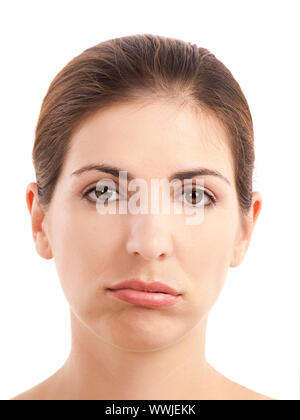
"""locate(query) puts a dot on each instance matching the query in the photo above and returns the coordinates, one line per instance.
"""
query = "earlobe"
(38, 217)
(241, 241)
(42, 246)
(239, 253)
(246, 230)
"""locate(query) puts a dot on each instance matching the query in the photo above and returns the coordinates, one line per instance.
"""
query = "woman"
(154, 108)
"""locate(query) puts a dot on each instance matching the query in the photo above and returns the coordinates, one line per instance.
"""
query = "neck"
(99, 370)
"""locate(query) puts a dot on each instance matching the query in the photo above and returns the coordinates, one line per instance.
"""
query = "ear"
(38, 222)
(245, 231)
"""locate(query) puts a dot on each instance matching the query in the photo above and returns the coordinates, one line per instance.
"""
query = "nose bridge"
(150, 236)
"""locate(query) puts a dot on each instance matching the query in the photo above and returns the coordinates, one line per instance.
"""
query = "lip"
(151, 295)
(137, 284)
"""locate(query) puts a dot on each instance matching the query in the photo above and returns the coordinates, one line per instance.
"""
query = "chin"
(140, 331)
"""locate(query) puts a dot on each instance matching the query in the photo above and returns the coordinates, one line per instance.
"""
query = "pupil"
(194, 195)
(100, 192)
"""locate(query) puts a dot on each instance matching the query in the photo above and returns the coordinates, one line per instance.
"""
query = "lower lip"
(147, 299)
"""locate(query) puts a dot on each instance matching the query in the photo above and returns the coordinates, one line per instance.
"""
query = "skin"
(125, 351)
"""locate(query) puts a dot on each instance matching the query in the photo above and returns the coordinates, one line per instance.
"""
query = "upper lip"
(137, 284)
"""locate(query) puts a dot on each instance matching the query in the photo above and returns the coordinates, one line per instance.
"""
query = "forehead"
(154, 137)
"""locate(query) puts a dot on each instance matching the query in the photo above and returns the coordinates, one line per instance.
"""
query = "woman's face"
(94, 251)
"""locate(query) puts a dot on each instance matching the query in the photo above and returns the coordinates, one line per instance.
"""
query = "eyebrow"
(181, 175)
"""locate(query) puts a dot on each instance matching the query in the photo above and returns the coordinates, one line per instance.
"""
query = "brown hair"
(129, 68)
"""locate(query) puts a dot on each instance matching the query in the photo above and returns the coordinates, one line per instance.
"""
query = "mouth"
(147, 299)
(152, 295)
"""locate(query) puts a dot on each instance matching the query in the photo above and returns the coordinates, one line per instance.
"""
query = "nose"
(150, 237)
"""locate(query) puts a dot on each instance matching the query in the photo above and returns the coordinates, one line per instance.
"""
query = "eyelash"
(212, 198)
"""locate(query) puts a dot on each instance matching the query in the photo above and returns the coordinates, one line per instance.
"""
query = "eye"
(195, 197)
(104, 193)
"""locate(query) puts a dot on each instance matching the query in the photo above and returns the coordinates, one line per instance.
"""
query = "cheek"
(84, 247)
(206, 255)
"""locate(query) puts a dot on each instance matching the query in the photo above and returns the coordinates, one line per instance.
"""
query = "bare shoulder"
(26, 395)
(244, 393)
(42, 391)
(231, 390)
(35, 393)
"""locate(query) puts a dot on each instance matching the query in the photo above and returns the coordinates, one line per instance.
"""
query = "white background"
(253, 329)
